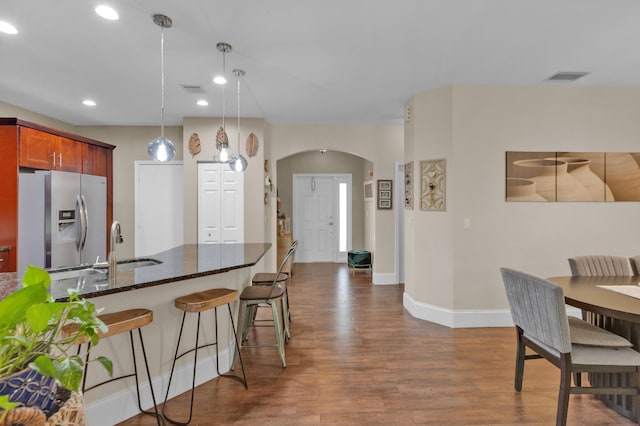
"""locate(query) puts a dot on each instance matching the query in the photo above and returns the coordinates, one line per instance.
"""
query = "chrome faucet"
(116, 238)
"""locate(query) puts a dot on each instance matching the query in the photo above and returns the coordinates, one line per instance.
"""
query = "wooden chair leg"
(563, 393)
(520, 357)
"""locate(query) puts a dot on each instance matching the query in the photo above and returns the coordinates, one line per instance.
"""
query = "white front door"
(322, 217)
(220, 204)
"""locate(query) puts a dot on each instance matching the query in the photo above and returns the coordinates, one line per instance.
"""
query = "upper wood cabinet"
(96, 160)
(42, 150)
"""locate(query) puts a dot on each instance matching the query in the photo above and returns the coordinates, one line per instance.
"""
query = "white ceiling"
(307, 61)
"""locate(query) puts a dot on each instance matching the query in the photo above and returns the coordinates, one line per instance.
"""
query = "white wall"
(457, 270)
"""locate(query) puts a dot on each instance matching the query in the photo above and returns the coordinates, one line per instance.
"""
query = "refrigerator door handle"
(80, 226)
(85, 222)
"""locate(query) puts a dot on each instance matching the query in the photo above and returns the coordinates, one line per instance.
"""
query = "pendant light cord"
(238, 114)
(162, 82)
(224, 74)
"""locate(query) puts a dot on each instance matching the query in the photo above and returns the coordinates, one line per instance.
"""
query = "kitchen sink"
(125, 264)
(75, 273)
(101, 268)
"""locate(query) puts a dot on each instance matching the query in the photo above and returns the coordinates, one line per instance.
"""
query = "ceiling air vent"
(567, 76)
(192, 88)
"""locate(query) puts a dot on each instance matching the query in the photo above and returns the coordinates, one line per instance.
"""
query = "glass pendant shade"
(222, 155)
(161, 149)
(238, 163)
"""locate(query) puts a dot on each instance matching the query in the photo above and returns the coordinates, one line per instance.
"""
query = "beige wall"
(380, 144)
(313, 162)
(473, 127)
(11, 111)
(428, 254)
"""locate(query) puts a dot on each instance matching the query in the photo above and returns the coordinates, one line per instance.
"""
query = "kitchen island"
(181, 271)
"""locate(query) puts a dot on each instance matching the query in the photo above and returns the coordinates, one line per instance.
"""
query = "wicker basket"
(70, 413)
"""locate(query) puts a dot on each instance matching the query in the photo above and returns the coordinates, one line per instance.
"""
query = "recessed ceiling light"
(88, 102)
(202, 102)
(7, 28)
(219, 79)
(107, 12)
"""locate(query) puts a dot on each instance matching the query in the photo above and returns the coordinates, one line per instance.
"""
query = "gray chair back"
(635, 265)
(599, 266)
(537, 307)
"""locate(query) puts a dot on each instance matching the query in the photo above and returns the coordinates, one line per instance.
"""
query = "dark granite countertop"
(178, 264)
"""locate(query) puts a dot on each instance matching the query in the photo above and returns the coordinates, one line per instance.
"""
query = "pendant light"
(222, 154)
(161, 148)
(238, 163)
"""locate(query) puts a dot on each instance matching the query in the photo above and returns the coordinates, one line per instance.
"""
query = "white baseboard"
(384, 279)
(123, 405)
(463, 318)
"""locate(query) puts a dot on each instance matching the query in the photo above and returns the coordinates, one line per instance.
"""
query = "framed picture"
(432, 185)
(385, 194)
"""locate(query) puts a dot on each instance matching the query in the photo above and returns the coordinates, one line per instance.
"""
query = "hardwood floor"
(357, 357)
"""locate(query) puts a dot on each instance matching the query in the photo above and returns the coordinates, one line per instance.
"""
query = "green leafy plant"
(31, 332)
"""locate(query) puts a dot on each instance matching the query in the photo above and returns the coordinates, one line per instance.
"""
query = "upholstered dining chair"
(635, 265)
(599, 266)
(539, 313)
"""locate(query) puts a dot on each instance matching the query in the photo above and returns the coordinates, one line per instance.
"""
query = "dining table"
(612, 303)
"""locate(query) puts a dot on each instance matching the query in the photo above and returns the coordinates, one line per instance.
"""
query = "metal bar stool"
(121, 322)
(282, 278)
(272, 295)
(199, 302)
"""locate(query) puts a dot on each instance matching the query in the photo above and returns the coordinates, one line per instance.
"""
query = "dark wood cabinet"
(95, 160)
(44, 150)
(36, 148)
(5, 258)
(24, 144)
(68, 155)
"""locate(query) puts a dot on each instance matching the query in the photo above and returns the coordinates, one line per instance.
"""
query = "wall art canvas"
(572, 176)
(408, 185)
(432, 185)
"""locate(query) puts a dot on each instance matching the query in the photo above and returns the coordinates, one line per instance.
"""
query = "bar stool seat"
(197, 303)
(118, 323)
(267, 278)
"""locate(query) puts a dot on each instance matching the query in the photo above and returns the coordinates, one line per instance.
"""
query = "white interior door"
(220, 204)
(158, 209)
(321, 217)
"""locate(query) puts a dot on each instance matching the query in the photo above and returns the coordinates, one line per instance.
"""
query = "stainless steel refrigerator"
(62, 219)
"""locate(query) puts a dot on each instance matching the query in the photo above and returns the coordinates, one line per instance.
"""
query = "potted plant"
(32, 341)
